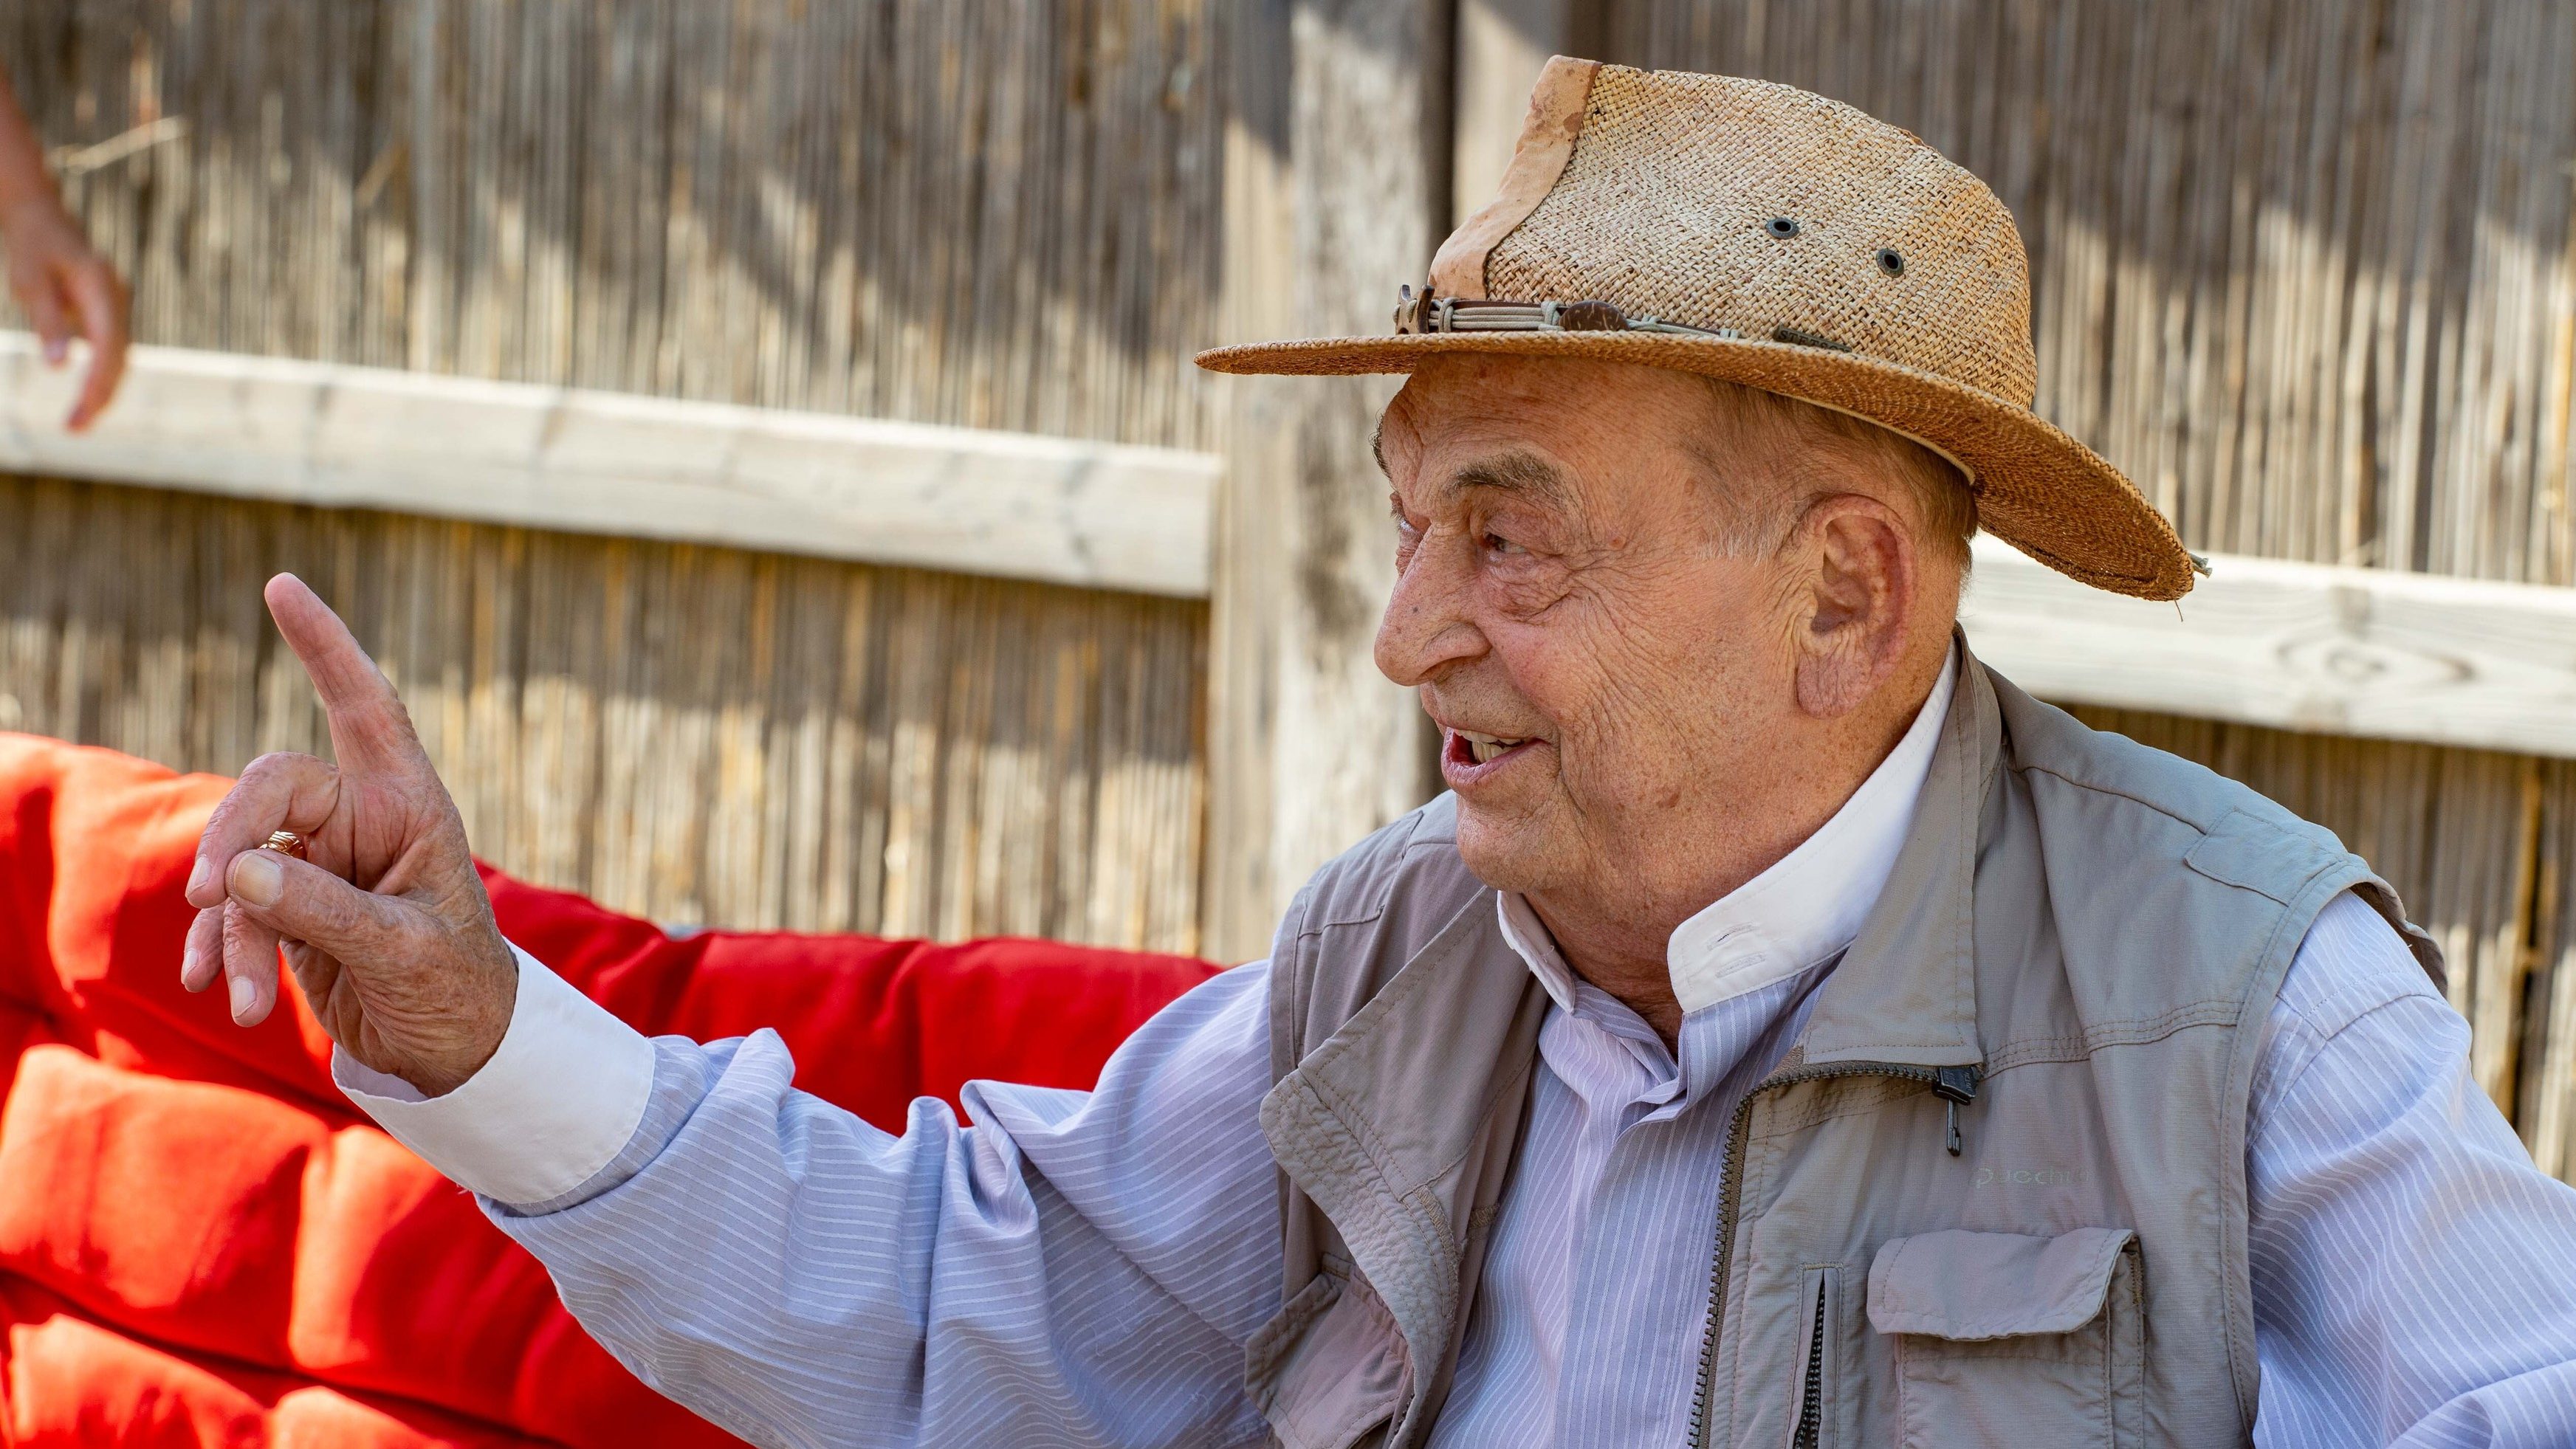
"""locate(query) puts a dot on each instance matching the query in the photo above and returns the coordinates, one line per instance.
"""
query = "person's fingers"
(276, 792)
(202, 959)
(99, 299)
(370, 731)
(316, 972)
(250, 964)
(302, 901)
(46, 313)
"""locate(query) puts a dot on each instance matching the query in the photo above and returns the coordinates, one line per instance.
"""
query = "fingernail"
(56, 351)
(243, 994)
(200, 875)
(258, 879)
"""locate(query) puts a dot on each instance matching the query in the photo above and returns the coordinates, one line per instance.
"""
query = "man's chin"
(1510, 850)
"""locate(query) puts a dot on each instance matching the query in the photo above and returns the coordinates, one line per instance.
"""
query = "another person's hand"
(385, 923)
(68, 291)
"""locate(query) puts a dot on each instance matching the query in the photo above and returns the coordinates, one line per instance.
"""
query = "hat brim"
(2037, 489)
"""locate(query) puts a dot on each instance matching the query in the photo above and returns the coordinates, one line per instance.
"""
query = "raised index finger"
(370, 730)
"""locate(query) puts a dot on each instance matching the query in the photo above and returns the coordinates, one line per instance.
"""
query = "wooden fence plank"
(1015, 505)
(2369, 652)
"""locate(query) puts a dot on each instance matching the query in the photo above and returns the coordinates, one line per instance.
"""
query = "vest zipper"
(1811, 1402)
(1955, 1084)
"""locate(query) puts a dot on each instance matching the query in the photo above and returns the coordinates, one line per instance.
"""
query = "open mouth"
(1469, 747)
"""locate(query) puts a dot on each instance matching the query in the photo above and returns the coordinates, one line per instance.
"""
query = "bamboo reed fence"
(984, 215)
(991, 215)
(693, 734)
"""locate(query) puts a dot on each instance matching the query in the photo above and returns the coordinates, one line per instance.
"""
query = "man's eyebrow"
(1524, 473)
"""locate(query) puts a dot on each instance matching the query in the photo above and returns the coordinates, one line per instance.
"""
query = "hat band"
(1421, 313)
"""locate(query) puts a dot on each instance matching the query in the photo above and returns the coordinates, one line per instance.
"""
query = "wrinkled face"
(1605, 655)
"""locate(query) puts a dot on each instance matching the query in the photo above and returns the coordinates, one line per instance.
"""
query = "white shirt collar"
(1803, 910)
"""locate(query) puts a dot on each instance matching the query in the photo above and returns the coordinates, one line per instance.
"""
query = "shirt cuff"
(560, 1097)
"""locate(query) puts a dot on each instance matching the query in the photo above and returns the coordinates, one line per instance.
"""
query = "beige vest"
(2070, 966)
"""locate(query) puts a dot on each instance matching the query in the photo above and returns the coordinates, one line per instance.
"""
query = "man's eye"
(1496, 543)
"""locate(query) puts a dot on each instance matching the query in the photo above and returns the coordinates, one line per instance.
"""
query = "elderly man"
(1784, 1031)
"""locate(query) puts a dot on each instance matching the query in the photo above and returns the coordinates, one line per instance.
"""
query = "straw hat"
(1757, 233)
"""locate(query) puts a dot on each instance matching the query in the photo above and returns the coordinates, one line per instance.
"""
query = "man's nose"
(1428, 627)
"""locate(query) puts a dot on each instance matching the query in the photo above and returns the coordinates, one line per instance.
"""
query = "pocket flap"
(1331, 1367)
(1963, 1285)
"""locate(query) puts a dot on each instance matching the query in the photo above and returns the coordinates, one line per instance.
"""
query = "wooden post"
(1337, 190)
(1247, 571)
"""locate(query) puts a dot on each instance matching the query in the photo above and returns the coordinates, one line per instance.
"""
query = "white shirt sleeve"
(1077, 1268)
(561, 1095)
(2414, 1274)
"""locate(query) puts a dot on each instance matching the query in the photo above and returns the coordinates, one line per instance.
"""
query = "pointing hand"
(385, 923)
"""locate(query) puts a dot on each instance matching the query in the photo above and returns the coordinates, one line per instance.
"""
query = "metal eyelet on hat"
(1891, 261)
(1781, 227)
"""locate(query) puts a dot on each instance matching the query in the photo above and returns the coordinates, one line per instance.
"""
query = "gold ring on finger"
(284, 842)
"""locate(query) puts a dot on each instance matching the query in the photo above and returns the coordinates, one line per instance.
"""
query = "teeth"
(1482, 747)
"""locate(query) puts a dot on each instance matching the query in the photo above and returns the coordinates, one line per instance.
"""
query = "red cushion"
(70, 1381)
(201, 1243)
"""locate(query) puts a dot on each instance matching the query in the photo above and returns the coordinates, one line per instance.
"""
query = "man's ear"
(1857, 577)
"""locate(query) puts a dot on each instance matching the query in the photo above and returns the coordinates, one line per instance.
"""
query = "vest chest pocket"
(2003, 1338)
